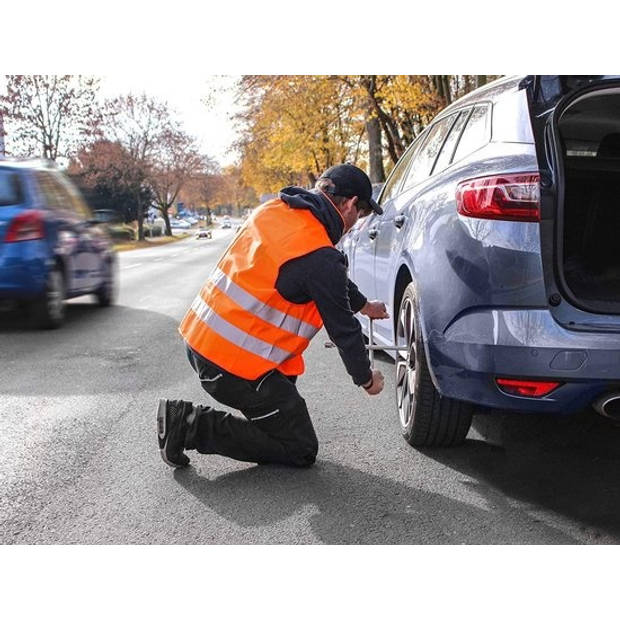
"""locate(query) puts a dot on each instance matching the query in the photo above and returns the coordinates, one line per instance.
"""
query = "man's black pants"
(277, 428)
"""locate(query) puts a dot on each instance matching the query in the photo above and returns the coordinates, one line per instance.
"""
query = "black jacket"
(321, 276)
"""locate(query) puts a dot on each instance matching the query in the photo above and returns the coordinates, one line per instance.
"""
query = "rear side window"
(61, 194)
(49, 189)
(74, 198)
(424, 160)
(10, 188)
(447, 150)
(393, 183)
(476, 133)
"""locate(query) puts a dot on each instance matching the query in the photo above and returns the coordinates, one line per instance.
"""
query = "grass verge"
(148, 243)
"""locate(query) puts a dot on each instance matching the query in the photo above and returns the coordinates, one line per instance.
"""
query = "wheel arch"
(61, 263)
(58, 261)
(403, 279)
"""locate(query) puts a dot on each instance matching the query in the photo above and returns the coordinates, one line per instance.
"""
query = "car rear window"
(10, 188)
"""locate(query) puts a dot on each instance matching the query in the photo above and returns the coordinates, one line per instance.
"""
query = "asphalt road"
(79, 460)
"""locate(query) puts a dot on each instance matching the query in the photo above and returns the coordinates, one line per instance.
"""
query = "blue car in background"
(497, 256)
(51, 248)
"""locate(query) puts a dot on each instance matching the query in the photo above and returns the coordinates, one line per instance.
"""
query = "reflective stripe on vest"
(269, 314)
(237, 336)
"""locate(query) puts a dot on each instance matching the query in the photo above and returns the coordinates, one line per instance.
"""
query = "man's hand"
(375, 310)
(376, 383)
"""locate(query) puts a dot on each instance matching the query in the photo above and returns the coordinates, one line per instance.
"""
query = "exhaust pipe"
(609, 406)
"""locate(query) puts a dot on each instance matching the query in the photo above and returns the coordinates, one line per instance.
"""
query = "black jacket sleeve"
(322, 277)
(356, 299)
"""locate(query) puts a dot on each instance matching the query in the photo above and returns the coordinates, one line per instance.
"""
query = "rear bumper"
(23, 268)
(484, 344)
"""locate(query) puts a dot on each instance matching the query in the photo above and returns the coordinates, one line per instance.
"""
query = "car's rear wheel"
(48, 311)
(107, 293)
(426, 417)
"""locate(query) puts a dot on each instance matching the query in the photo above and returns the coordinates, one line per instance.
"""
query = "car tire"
(426, 418)
(107, 293)
(48, 311)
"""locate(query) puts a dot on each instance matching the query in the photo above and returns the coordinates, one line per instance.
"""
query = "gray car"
(497, 256)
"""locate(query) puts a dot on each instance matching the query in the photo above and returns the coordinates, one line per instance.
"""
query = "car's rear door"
(68, 231)
(397, 217)
(363, 239)
(387, 199)
(92, 251)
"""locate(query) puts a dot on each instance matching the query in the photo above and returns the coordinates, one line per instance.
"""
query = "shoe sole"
(161, 433)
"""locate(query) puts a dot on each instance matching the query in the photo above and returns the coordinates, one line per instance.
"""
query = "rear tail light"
(25, 227)
(514, 197)
(525, 387)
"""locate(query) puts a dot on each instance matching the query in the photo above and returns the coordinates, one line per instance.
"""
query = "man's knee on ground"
(303, 454)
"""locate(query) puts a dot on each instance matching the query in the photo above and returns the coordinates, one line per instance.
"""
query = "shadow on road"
(97, 350)
(16, 320)
(348, 506)
(567, 465)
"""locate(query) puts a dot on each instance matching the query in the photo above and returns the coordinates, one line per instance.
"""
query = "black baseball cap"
(349, 181)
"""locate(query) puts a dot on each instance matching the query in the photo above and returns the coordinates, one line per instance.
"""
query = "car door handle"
(373, 232)
(399, 220)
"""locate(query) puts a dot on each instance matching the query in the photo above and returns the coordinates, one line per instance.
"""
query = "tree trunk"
(140, 212)
(311, 178)
(375, 155)
(439, 86)
(391, 148)
(164, 214)
(395, 146)
(481, 80)
(446, 88)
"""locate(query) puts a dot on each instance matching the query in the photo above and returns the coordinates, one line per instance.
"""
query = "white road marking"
(134, 265)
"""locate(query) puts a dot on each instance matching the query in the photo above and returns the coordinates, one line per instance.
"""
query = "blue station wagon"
(498, 259)
(51, 248)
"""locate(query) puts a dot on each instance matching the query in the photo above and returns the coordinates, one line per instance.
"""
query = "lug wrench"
(371, 347)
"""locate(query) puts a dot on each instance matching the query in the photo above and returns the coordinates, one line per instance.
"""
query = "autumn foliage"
(296, 126)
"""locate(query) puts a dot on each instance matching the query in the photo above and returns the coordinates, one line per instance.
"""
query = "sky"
(211, 124)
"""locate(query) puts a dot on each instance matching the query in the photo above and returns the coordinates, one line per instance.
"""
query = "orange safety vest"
(239, 321)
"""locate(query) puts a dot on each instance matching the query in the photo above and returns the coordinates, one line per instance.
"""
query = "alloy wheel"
(406, 368)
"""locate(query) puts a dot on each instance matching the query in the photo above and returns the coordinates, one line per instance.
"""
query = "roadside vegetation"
(123, 246)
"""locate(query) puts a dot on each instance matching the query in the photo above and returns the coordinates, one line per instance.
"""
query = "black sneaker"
(171, 428)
